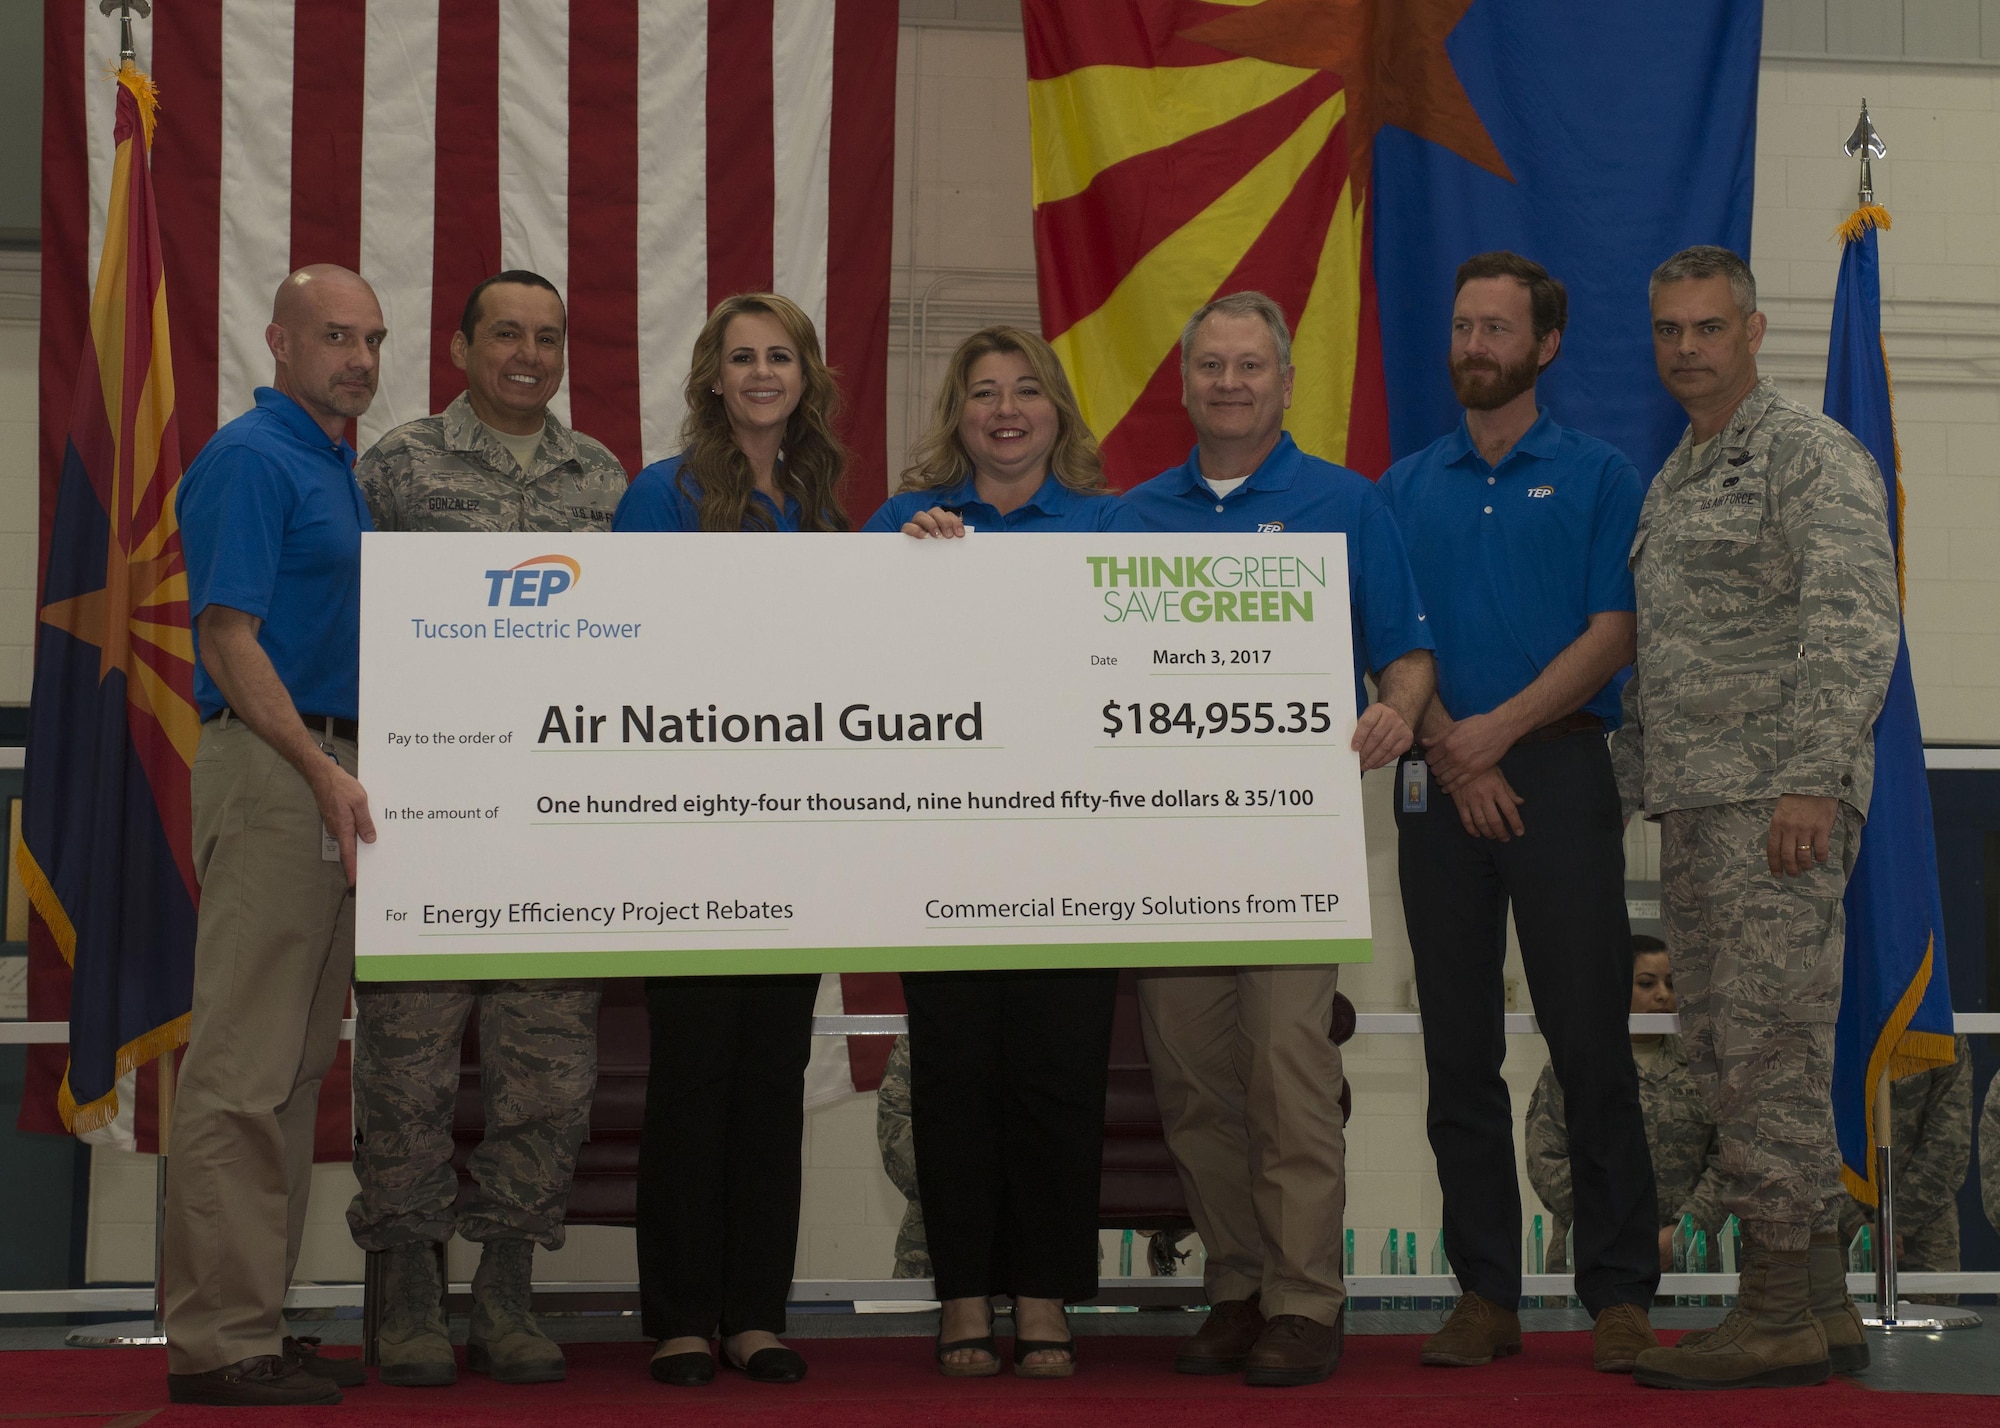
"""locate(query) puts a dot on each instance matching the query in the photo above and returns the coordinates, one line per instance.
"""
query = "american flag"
(649, 157)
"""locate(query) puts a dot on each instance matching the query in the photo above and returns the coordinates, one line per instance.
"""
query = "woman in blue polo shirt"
(719, 1176)
(1007, 449)
(1007, 1068)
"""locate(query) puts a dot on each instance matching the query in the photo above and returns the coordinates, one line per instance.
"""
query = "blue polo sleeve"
(1619, 496)
(1387, 610)
(233, 511)
(655, 502)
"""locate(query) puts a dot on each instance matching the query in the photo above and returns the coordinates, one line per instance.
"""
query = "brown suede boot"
(504, 1339)
(1620, 1335)
(1478, 1332)
(1839, 1319)
(1769, 1340)
(413, 1342)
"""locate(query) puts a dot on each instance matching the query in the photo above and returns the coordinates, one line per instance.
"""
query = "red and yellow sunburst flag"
(1185, 149)
(106, 851)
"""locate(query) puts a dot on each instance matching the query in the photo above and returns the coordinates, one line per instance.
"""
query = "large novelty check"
(656, 754)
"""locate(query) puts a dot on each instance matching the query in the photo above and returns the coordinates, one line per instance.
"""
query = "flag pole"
(1890, 1313)
(139, 1333)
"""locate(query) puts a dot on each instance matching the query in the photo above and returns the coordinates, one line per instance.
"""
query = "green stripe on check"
(679, 962)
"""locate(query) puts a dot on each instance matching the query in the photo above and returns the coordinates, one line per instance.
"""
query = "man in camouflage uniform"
(1989, 1153)
(1930, 1125)
(1679, 1130)
(1768, 623)
(899, 1160)
(496, 459)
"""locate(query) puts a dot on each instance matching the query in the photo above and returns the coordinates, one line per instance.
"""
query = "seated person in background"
(1678, 1127)
(1930, 1126)
(899, 1160)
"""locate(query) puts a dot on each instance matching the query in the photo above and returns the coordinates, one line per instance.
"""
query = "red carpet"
(862, 1383)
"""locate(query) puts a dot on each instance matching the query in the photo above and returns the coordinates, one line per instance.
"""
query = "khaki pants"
(274, 954)
(1249, 1081)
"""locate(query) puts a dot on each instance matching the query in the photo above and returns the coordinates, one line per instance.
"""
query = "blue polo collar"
(298, 421)
(1542, 441)
(1051, 498)
(1277, 472)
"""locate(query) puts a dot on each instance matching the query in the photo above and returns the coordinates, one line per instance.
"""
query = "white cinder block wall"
(964, 257)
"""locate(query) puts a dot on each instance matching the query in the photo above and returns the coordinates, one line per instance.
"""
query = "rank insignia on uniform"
(1269, 527)
(1739, 458)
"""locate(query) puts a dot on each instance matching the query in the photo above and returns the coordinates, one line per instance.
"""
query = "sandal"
(978, 1368)
(1063, 1368)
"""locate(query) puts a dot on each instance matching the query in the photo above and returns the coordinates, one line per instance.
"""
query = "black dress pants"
(1007, 1073)
(719, 1156)
(1566, 882)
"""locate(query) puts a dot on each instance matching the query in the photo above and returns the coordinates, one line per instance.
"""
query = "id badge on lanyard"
(1413, 786)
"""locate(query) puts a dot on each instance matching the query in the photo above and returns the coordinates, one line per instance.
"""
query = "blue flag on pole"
(1895, 1007)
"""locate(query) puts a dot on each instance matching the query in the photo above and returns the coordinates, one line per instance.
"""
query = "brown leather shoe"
(1620, 1335)
(1295, 1350)
(1224, 1340)
(264, 1381)
(1478, 1332)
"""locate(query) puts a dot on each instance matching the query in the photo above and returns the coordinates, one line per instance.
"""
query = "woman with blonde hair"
(719, 1177)
(1007, 1068)
(1006, 449)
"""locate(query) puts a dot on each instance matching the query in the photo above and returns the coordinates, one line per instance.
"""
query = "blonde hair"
(814, 459)
(940, 459)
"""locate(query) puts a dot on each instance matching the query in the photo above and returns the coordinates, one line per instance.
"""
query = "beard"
(1483, 386)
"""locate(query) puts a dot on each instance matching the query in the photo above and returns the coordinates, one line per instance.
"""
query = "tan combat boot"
(1839, 1319)
(1769, 1340)
(414, 1346)
(505, 1340)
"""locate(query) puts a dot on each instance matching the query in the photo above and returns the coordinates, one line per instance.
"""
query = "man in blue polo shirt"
(1247, 1077)
(271, 522)
(1518, 530)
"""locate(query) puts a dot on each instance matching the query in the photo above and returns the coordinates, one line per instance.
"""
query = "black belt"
(1577, 723)
(331, 725)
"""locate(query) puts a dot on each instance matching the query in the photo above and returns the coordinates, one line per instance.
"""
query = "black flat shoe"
(689, 1370)
(984, 1368)
(773, 1365)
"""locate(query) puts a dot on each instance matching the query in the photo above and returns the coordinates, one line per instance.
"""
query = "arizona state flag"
(1895, 1004)
(1183, 150)
(1345, 156)
(105, 851)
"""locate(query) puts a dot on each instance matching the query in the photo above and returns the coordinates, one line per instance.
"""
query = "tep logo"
(1269, 527)
(535, 581)
(1537, 492)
